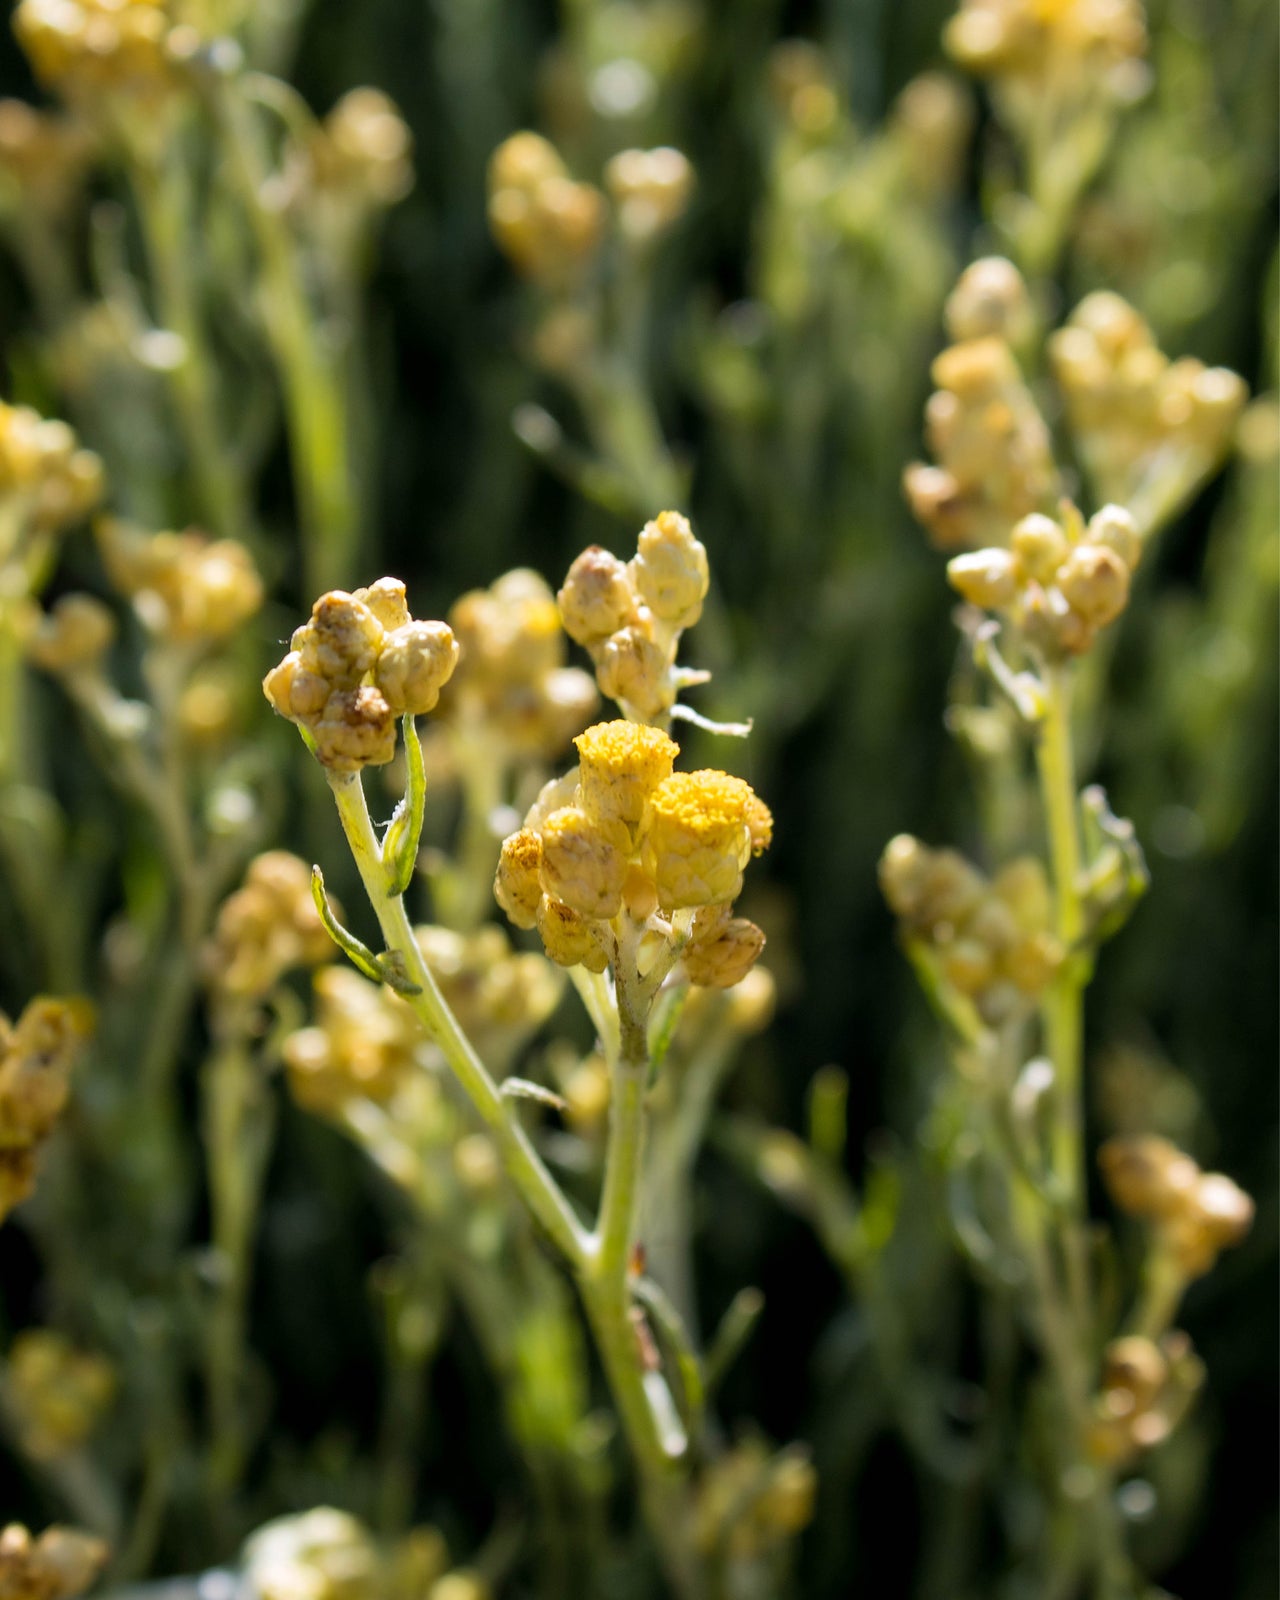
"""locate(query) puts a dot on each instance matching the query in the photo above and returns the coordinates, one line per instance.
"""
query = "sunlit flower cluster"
(625, 833)
(1146, 1391)
(360, 663)
(650, 189)
(185, 588)
(364, 149)
(1058, 50)
(44, 474)
(992, 448)
(511, 679)
(1135, 416)
(86, 47)
(988, 938)
(1194, 1215)
(629, 615)
(37, 1054)
(1060, 582)
(548, 225)
(267, 927)
(328, 1554)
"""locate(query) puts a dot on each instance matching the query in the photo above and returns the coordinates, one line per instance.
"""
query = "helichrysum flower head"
(989, 301)
(364, 1045)
(322, 1554)
(994, 459)
(548, 226)
(363, 151)
(1059, 582)
(61, 1564)
(266, 927)
(1145, 1391)
(186, 589)
(37, 1054)
(45, 476)
(651, 189)
(1066, 51)
(988, 939)
(499, 996)
(348, 676)
(58, 1394)
(88, 48)
(1148, 430)
(629, 617)
(625, 837)
(1194, 1215)
(512, 679)
(73, 637)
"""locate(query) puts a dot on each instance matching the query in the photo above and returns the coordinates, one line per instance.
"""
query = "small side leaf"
(400, 846)
(360, 954)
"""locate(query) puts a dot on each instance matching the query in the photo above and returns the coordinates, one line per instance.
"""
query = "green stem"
(161, 188)
(522, 1163)
(309, 370)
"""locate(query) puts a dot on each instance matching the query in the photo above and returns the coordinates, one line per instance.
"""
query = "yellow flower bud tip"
(60, 1564)
(517, 885)
(975, 368)
(634, 670)
(1095, 583)
(386, 600)
(414, 663)
(1147, 1176)
(620, 764)
(597, 599)
(989, 301)
(725, 957)
(1114, 529)
(1222, 1208)
(524, 161)
(582, 865)
(342, 640)
(670, 570)
(1040, 546)
(569, 938)
(986, 578)
(1133, 1370)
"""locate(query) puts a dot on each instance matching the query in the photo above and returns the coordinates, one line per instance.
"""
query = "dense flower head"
(989, 301)
(512, 679)
(364, 150)
(629, 616)
(989, 939)
(1145, 428)
(500, 996)
(364, 1045)
(267, 927)
(48, 478)
(185, 588)
(90, 47)
(1073, 47)
(625, 836)
(548, 225)
(991, 445)
(1145, 1391)
(73, 636)
(37, 1053)
(651, 189)
(61, 1564)
(358, 664)
(58, 1394)
(1060, 582)
(1194, 1215)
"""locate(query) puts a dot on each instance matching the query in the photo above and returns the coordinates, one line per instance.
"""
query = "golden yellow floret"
(584, 862)
(620, 764)
(517, 885)
(698, 837)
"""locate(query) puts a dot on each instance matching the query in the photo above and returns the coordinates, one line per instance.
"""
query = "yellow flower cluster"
(650, 188)
(327, 1554)
(185, 588)
(364, 149)
(1059, 582)
(43, 158)
(1145, 1392)
(1194, 1215)
(992, 448)
(499, 996)
(88, 47)
(989, 939)
(364, 1045)
(1053, 49)
(627, 832)
(60, 1564)
(989, 301)
(36, 1057)
(629, 616)
(72, 637)
(57, 1394)
(360, 663)
(266, 927)
(749, 1504)
(1134, 414)
(511, 675)
(549, 226)
(44, 473)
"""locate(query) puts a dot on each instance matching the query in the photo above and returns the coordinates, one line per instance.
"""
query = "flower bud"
(1095, 582)
(415, 662)
(582, 865)
(986, 578)
(517, 886)
(670, 570)
(597, 598)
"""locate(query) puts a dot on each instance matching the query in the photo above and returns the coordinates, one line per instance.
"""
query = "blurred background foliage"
(782, 347)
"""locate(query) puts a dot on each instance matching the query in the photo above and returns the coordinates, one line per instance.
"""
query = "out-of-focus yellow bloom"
(1146, 1390)
(363, 150)
(651, 189)
(185, 588)
(1194, 1215)
(89, 48)
(365, 1043)
(58, 1394)
(1060, 582)
(267, 927)
(37, 1054)
(44, 474)
(547, 225)
(989, 301)
(72, 637)
(994, 459)
(1060, 51)
(60, 1564)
